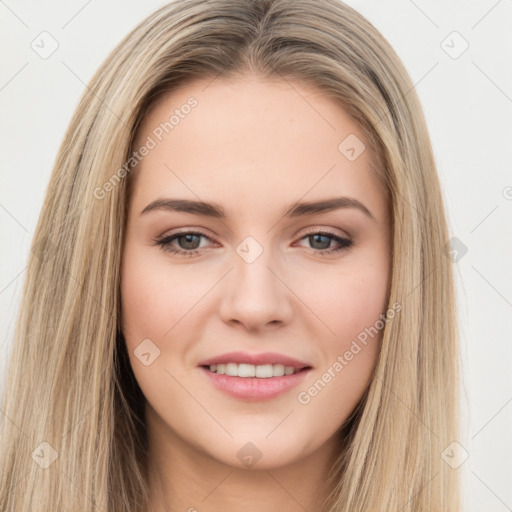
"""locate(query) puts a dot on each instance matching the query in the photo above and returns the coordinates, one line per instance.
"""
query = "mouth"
(247, 371)
(254, 377)
(254, 383)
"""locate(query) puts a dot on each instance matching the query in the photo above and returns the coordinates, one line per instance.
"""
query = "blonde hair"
(69, 383)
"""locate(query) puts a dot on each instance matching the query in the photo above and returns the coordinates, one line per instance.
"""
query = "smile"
(255, 388)
(244, 370)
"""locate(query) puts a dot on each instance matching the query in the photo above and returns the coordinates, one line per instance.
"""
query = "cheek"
(154, 296)
(155, 301)
(352, 300)
(152, 303)
(352, 308)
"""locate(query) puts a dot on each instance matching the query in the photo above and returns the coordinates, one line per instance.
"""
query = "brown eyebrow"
(217, 211)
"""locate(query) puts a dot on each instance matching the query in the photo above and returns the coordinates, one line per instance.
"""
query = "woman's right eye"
(187, 241)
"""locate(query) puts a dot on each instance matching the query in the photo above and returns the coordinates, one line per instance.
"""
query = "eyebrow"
(215, 210)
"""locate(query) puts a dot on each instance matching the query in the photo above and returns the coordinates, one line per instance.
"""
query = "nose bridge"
(252, 274)
(256, 296)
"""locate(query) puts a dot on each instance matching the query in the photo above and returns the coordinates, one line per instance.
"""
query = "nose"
(255, 295)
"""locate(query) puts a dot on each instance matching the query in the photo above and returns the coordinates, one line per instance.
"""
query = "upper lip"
(255, 359)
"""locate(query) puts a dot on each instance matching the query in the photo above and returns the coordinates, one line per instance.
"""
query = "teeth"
(263, 371)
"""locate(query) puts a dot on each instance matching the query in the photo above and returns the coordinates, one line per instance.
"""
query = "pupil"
(326, 242)
(189, 244)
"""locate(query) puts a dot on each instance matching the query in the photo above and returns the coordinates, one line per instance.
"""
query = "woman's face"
(221, 256)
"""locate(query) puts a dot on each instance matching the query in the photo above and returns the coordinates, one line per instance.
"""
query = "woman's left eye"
(324, 238)
(189, 242)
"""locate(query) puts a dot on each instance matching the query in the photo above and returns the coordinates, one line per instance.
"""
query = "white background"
(468, 105)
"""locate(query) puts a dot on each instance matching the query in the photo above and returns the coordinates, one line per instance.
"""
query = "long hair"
(73, 432)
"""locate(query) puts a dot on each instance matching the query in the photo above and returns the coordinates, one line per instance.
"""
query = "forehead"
(251, 142)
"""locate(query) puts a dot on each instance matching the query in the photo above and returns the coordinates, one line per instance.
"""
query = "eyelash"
(165, 242)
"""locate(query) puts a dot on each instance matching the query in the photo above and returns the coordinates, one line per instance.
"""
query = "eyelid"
(324, 229)
(307, 231)
(185, 231)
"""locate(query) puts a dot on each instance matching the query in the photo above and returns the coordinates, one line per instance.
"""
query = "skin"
(254, 146)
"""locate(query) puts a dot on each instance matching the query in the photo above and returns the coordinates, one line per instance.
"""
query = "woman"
(238, 294)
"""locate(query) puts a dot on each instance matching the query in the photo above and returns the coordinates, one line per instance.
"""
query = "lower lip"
(253, 388)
